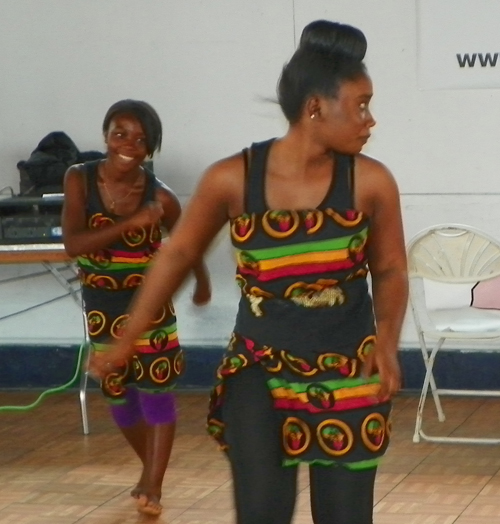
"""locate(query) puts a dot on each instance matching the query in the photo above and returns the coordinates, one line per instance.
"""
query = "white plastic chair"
(453, 254)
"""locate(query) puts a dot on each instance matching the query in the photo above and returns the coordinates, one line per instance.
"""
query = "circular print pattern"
(232, 364)
(299, 365)
(138, 368)
(373, 431)
(113, 384)
(366, 347)
(247, 261)
(320, 396)
(352, 218)
(118, 326)
(134, 237)
(313, 220)
(155, 233)
(296, 436)
(335, 437)
(132, 281)
(280, 224)
(160, 370)
(96, 321)
(336, 362)
(272, 363)
(100, 259)
(158, 340)
(98, 221)
(356, 248)
(161, 316)
(102, 282)
(243, 227)
(179, 363)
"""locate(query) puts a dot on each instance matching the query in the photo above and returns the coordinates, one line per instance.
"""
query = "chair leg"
(84, 377)
(428, 381)
(420, 408)
(425, 355)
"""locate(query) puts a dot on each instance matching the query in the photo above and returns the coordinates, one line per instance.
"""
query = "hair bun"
(333, 37)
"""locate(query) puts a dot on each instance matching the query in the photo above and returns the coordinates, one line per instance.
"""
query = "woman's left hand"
(386, 364)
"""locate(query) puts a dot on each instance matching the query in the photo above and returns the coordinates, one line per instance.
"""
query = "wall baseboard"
(41, 366)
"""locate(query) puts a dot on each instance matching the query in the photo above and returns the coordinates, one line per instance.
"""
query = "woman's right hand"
(101, 363)
(147, 215)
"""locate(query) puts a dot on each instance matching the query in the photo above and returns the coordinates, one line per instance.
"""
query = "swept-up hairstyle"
(329, 53)
(335, 37)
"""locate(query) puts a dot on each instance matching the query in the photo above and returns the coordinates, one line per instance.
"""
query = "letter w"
(488, 59)
(466, 60)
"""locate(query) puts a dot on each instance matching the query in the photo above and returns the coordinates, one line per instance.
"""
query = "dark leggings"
(264, 490)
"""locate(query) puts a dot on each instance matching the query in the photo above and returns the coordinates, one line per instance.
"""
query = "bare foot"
(149, 505)
(136, 492)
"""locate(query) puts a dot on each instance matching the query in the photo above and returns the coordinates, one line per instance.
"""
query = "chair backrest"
(453, 253)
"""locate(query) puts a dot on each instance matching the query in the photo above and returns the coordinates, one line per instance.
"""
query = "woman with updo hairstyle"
(311, 366)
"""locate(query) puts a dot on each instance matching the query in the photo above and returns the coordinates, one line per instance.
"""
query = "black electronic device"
(31, 220)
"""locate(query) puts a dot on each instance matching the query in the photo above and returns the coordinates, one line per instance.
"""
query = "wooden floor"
(51, 474)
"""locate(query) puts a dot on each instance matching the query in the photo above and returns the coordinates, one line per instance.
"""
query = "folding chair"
(452, 254)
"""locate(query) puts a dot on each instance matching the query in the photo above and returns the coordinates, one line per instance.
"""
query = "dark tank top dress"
(109, 278)
(305, 315)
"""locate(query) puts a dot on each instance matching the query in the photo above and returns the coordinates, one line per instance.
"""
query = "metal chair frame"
(451, 253)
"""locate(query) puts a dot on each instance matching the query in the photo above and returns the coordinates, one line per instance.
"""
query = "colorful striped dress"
(306, 316)
(109, 279)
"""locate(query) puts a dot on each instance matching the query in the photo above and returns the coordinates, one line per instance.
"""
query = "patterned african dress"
(306, 316)
(109, 279)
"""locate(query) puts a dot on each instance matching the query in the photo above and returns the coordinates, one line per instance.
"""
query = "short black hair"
(147, 116)
(328, 55)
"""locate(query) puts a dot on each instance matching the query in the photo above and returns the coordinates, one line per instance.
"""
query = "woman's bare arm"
(388, 268)
(77, 237)
(171, 214)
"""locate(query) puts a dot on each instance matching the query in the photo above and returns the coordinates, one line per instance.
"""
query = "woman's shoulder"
(221, 186)
(371, 172)
(368, 165)
(76, 176)
(164, 193)
(230, 166)
(75, 185)
(375, 184)
(82, 168)
(226, 174)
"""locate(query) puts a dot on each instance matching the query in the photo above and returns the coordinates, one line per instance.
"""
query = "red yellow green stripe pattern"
(144, 344)
(330, 395)
(117, 261)
(303, 258)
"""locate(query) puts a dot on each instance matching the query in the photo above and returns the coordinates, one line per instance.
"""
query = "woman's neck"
(299, 153)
